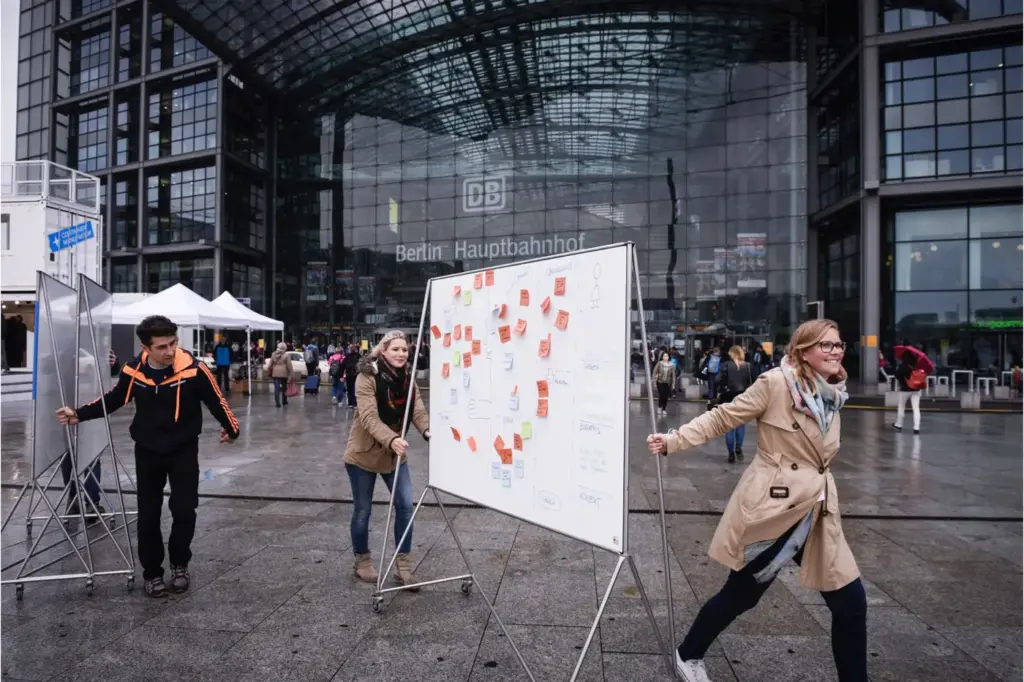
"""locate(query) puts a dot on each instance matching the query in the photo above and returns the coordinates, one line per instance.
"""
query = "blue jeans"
(734, 438)
(90, 481)
(280, 391)
(711, 386)
(338, 389)
(362, 503)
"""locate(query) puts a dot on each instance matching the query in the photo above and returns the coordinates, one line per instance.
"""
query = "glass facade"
(897, 17)
(194, 272)
(183, 119)
(956, 274)
(181, 206)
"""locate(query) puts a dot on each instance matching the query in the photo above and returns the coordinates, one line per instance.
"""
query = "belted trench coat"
(789, 477)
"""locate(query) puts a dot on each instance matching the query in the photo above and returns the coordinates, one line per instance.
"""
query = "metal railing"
(50, 181)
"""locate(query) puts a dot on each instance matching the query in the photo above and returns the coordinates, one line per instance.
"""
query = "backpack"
(307, 356)
(713, 363)
(917, 380)
(335, 370)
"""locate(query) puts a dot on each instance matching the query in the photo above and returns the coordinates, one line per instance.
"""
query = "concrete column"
(218, 222)
(271, 280)
(870, 216)
(143, 112)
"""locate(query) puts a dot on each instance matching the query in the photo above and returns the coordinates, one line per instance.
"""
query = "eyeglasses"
(830, 346)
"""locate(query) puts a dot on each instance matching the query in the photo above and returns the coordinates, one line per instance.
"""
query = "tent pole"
(248, 358)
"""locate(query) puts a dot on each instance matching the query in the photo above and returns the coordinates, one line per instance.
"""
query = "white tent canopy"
(232, 306)
(182, 306)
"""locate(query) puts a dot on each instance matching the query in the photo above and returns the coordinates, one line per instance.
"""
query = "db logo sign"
(483, 193)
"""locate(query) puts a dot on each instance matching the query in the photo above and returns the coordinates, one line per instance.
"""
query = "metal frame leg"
(597, 619)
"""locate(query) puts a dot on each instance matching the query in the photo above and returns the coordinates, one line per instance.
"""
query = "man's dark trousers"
(224, 378)
(153, 470)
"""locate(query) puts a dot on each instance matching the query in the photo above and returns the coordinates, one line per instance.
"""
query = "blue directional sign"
(70, 236)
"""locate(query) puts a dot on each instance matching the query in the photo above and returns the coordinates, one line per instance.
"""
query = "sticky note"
(504, 333)
(520, 327)
(456, 358)
(542, 408)
(562, 320)
(467, 297)
(496, 470)
(435, 331)
(545, 305)
(457, 436)
(467, 359)
(507, 362)
(447, 340)
(499, 443)
(453, 396)
(542, 388)
(471, 442)
(469, 332)
(517, 440)
(527, 429)
(545, 347)
(458, 331)
(506, 456)
(445, 370)
(456, 290)
(478, 281)
(513, 403)
(559, 286)
(489, 276)
(476, 346)
(502, 311)
(520, 468)
(524, 297)
(465, 380)
(506, 478)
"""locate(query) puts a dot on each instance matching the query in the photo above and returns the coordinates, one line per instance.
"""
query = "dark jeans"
(734, 438)
(362, 502)
(664, 392)
(152, 471)
(280, 391)
(90, 481)
(350, 384)
(711, 385)
(338, 388)
(742, 592)
(224, 378)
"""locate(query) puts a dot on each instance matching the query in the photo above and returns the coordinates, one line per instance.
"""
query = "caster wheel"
(88, 587)
(19, 591)
(466, 586)
(378, 605)
(129, 584)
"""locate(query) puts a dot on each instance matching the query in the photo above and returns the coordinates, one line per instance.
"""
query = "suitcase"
(312, 384)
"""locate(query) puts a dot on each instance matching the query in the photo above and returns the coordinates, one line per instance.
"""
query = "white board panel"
(565, 471)
(94, 342)
(54, 368)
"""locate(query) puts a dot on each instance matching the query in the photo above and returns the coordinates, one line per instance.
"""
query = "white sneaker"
(691, 671)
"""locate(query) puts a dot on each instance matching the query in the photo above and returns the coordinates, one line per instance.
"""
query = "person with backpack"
(735, 377)
(351, 370)
(709, 370)
(311, 356)
(336, 369)
(911, 381)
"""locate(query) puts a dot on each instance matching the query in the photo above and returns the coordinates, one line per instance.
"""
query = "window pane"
(919, 140)
(919, 165)
(951, 63)
(987, 108)
(918, 115)
(996, 221)
(894, 167)
(996, 263)
(987, 160)
(953, 137)
(893, 143)
(916, 68)
(987, 82)
(987, 134)
(952, 111)
(954, 162)
(995, 306)
(946, 223)
(930, 309)
(951, 87)
(920, 90)
(931, 265)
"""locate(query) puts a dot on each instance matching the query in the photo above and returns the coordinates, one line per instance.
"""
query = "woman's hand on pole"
(657, 444)
(400, 446)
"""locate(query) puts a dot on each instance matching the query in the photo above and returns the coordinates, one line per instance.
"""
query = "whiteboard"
(490, 443)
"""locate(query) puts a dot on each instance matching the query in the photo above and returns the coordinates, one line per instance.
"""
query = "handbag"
(293, 390)
(917, 380)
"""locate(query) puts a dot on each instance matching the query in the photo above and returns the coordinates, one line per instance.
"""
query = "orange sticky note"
(455, 434)
(456, 290)
(476, 346)
(542, 407)
(561, 320)
(435, 331)
(469, 332)
(559, 286)
(524, 297)
(445, 370)
(505, 334)
(542, 388)
(458, 330)
(545, 305)
(471, 442)
(447, 340)
(517, 441)
(478, 281)
(499, 443)
(467, 359)
(506, 456)
(515, 389)
(502, 310)
(490, 278)
(545, 347)
(521, 327)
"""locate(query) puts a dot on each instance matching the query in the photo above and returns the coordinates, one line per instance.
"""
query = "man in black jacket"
(169, 387)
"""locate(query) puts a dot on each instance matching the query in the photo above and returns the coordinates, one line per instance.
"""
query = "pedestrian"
(222, 358)
(166, 429)
(664, 379)
(279, 367)
(351, 367)
(909, 388)
(785, 505)
(376, 444)
(735, 377)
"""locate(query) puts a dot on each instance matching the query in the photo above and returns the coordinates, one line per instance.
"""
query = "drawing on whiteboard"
(549, 500)
(595, 293)
(593, 460)
(479, 409)
(591, 498)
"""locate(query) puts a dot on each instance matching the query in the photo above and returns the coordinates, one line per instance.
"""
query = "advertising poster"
(316, 281)
(344, 287)
(752, 259)
(368, 291)
(725, 261)
(706, 280)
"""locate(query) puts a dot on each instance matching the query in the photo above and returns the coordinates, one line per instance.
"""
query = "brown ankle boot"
(403, 572)
(363, 568)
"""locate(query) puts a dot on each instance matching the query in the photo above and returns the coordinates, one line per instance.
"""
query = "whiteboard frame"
(629, 254)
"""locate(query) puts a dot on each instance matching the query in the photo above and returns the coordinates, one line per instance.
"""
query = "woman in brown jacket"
(375, 445)
(785, 505)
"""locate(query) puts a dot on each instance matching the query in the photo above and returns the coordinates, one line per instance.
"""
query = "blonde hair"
(806, 336)
(737, 354)
(388, 339)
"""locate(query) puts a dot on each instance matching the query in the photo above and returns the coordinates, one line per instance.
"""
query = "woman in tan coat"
(785, 505)
(375, 445)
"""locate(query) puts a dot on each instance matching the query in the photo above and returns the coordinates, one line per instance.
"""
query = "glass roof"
(591, 74)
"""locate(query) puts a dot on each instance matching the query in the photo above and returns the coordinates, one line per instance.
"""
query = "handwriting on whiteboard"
(549, 500)
(593, 460)
(591, 498)
(560, 268)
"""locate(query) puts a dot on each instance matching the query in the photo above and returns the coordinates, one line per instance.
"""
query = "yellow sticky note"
(457, 359)
(467, 297)
(527, 430)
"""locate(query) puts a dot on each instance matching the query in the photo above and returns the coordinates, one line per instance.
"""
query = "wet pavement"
(933, 520)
